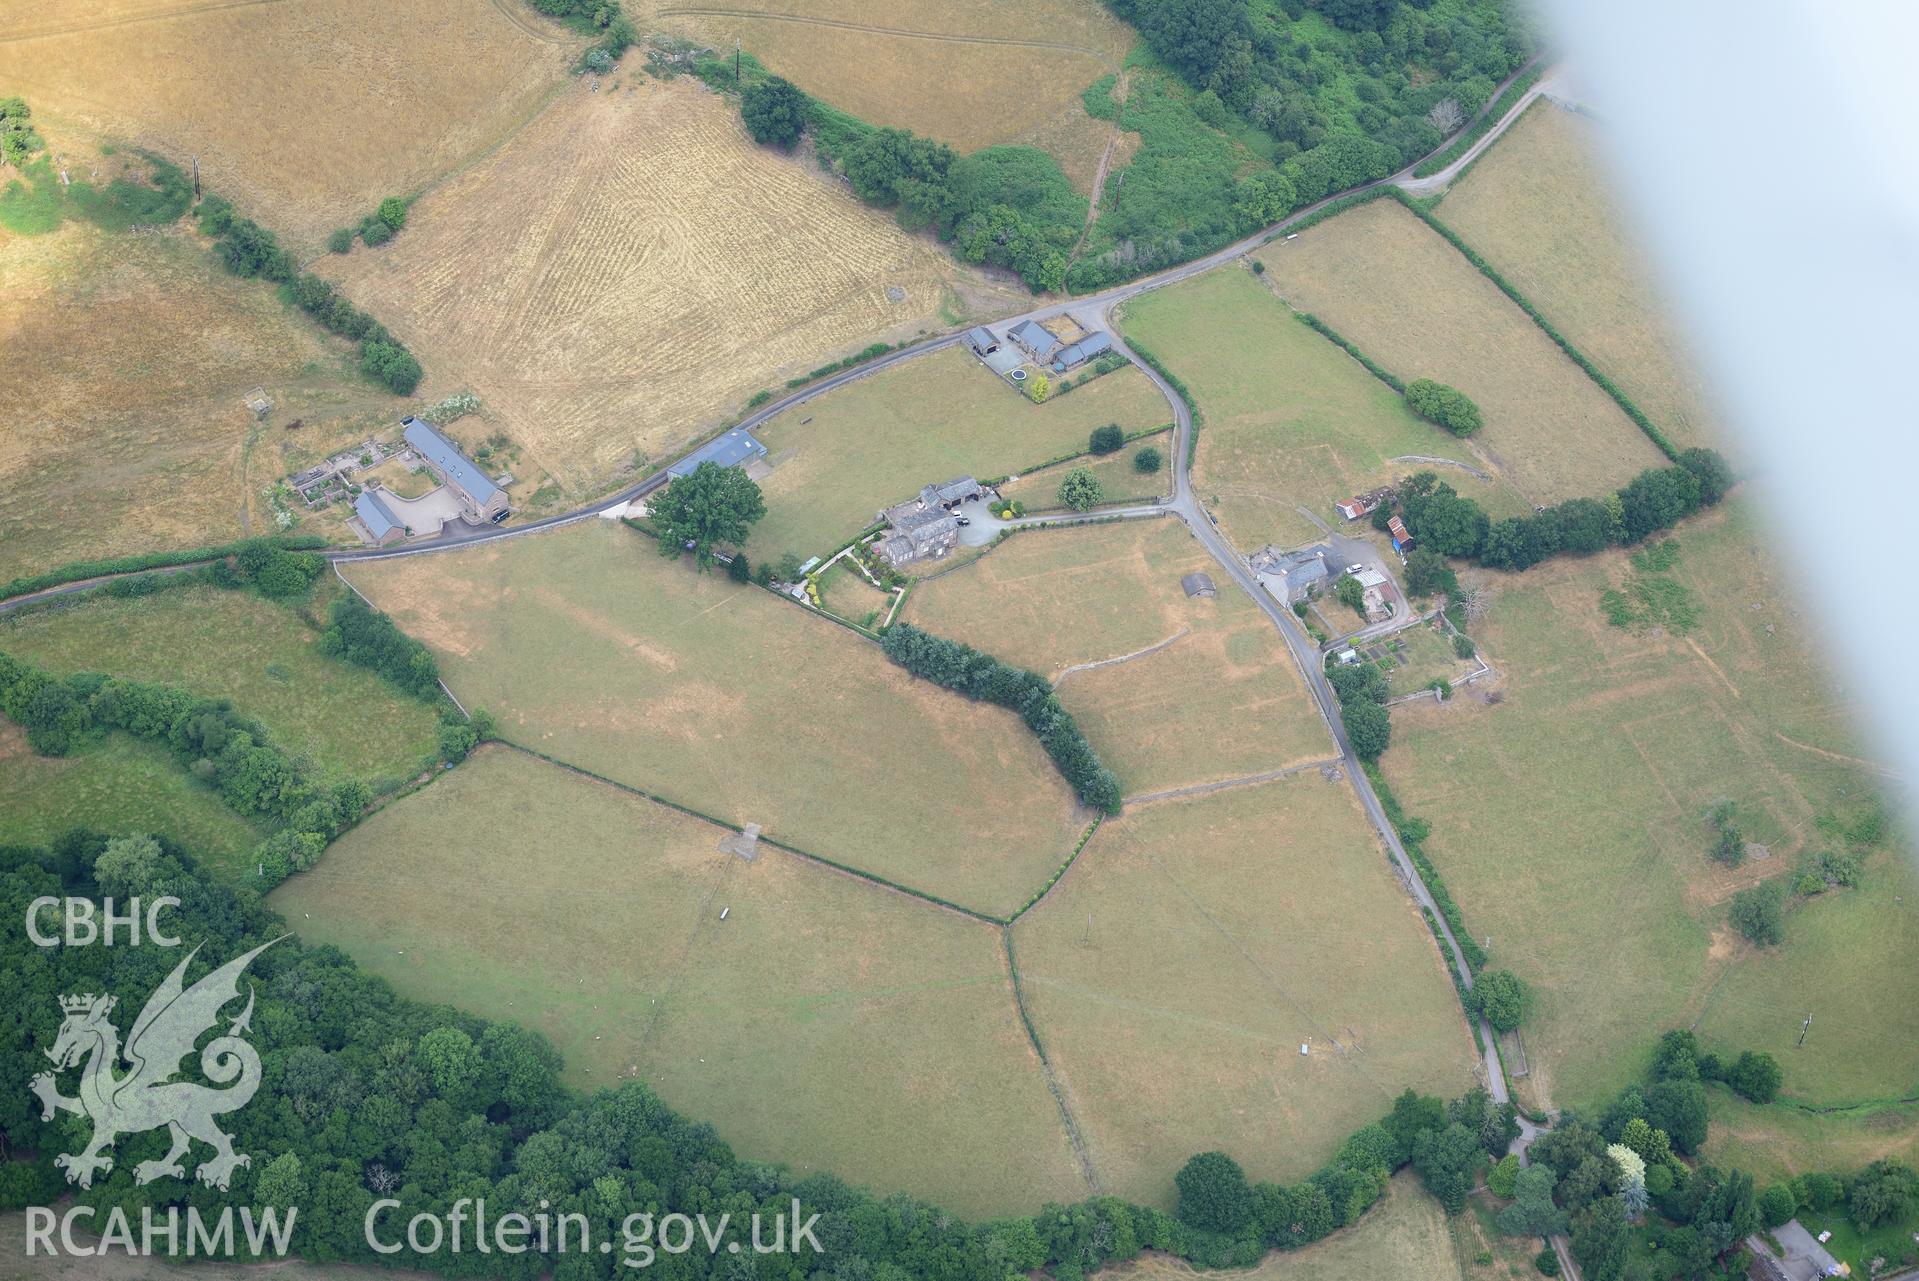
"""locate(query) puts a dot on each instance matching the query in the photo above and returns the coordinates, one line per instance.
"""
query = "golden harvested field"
(1569, 821)
(722, 697)
(1209, 692)
(129, 358)
(970, 75)
(1413, 303)
(1177, 968)
(379, 98)
(1405, 1235)
(839, 459)
(1538, 205)
(1291, 420)
(827, 1023)
(630, 268)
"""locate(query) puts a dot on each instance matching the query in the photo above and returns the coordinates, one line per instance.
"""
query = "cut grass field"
(839, 459)
(630, 267)
(1538, 206)
(116, 786)
(1222, 700)
(1569, 821)
(724, 698)
(1397, 290)
(129, 360)
(233, 645)
(184, 78)
(1777, 1141)
(972, 75)
(1291, 421)
(1119, 480)
(1405, 1235)
(1179, 965)
(826, 1023)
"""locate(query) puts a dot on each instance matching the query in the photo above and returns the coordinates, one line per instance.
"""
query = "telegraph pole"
(1803, 1029)
(736, 59)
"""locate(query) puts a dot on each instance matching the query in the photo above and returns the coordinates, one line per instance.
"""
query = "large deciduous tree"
(774, 112)
(712, 505)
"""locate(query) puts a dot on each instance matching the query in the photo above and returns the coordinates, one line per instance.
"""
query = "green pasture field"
(1291, 421)
(1778, 1140)
(1177, 968)
(1406, 1234)
(827, 1022)
(116, 786)
(1569, 820)
(1119, 480)
(1425, 653)
(262, 656)
(839, 459)
(720, 696)
(1222, 700)
(1410, 301)
(1538, 206)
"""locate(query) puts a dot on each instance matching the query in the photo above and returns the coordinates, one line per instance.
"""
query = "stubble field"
(379, 98)
(264, 657)
(1177, 968)
(721, 697)
(630, 267)
(1413, 303)
(129, 358)
(826, 1022)
(1217, 696)
(1538, 206)
(972, 75)
(837, 460)
(1291, 421)
(1569, 820)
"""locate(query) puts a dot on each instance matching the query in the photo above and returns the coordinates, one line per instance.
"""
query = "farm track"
(103, 24)
(948, 37)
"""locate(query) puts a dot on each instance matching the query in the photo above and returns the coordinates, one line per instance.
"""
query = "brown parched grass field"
(1569, 819)
(1177, 968)
(304, 114)
(827, 1023)
(1206, 690)
(1396, 289)
(971, 75)
(129, 359)
(1538, 205)
(630, 267)
(590, 647)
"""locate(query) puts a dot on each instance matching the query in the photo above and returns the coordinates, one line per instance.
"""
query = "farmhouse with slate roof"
(1036, 339)
(927, 526)
(734, 449)
(382, 526)
(480, 499)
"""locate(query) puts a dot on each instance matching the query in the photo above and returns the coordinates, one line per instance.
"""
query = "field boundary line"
(1244, 780)
(1122, 658)
(945, 37)
(1073, 1136)
(823, 861)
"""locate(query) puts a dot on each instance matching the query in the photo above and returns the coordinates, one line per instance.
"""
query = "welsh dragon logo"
(146, 1097)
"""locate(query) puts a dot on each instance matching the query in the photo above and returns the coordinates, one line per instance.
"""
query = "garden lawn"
(826, 1023)
(1538, 206)
(1119, 479)
(234, 645)
(116, 787)
(837, 460)
(1178, 967)
(1395, 288)
(1291, 421)
(723, 697)
(1217, 696)
(1569, 821)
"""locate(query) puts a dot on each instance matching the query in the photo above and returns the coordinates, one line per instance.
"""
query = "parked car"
(966, 520)
(1355, 569)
